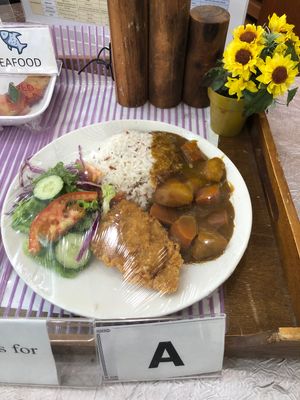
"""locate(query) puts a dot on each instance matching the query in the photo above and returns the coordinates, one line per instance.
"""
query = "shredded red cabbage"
(32, 168)
(80, 156)
(88, 183)
(25, 195)
(72, 168)
(88, 238)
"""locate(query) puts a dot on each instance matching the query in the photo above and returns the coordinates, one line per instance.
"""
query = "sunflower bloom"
(240, 58)
(237, 85)
(279, 25)
(249, 33)
(278, 73)
(281, 48)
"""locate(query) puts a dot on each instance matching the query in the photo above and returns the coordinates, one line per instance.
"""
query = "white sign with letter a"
(160, 350)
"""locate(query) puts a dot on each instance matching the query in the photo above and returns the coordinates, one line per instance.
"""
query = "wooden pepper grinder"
(207, 35)
(128, 21)
(168, 29)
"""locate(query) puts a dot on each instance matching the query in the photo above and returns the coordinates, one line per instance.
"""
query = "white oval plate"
(100, 292)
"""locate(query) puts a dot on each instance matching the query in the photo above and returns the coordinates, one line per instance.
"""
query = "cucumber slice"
(48, 187)
(67, 250)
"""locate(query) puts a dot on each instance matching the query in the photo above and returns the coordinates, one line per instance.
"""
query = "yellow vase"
(226, 114)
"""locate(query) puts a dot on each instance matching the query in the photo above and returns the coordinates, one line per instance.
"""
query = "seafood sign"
(20, 50)
(12, 41)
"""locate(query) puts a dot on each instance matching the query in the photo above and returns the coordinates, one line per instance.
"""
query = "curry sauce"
(192, 197)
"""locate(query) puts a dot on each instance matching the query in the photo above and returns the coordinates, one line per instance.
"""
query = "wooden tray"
(262, 298)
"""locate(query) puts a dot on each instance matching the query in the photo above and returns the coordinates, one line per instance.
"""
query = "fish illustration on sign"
(11, 40)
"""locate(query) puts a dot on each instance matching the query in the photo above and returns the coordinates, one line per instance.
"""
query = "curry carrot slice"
(192, 152)
(184, 230)
(165, 215)
(218, 218)
(208, 195)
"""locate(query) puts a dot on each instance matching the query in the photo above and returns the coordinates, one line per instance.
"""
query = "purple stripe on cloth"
(197, 123)
(182, 115)
(82, 95)
(29, 311)
(142, 112)
(84, 55)
(80, 81)
(111, 91)
(47, 120)
(200, 307)
(148, 110)
(40, 310)
(64, 82)
(70, 53)
(155, 113)
(190, 119)
(211, 306)
(91, 55)
(7, 269)
(63, 53)
(50, 312)
(93, 80)
(99, 68)
(70, 94)
(14, 288)
(176, 116)
(204, 123)
(169, 115)
(221, 298)
(24, 290)
(4, 139)
(100, 117)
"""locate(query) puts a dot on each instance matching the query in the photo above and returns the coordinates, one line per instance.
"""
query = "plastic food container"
(35, 110)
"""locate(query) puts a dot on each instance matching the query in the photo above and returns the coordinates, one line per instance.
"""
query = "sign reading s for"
(160, 350)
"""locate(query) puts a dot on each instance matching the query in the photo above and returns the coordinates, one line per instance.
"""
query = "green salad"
(59, 212)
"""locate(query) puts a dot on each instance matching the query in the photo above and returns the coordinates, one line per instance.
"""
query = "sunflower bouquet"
(259, 65)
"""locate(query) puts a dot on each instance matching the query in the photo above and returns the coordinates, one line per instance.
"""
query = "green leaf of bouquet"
(215, 77)
(271, 37)
(270, 45)
(291, 94)
(257, 102)
(291, 50)
(218, 84)
(13, 93)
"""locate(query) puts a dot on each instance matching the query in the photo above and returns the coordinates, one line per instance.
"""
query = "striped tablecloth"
(79, 100)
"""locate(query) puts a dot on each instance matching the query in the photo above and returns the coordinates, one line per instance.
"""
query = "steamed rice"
(126, 161)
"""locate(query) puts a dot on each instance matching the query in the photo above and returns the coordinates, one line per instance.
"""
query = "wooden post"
(128, 21)
(168, 29)
(207, 35)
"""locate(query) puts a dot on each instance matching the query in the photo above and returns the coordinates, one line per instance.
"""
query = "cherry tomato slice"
(57, 218)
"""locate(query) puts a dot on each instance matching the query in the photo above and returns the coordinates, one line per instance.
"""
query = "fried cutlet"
(131, 240)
